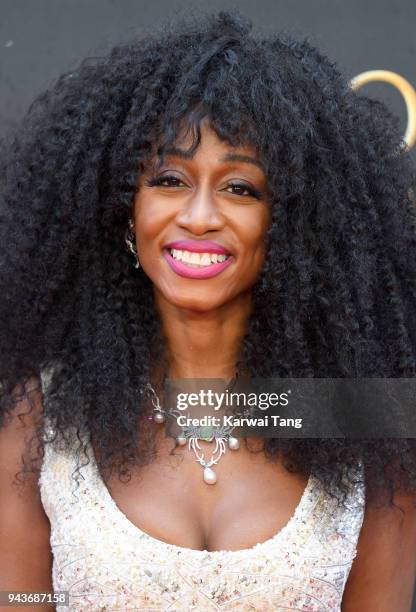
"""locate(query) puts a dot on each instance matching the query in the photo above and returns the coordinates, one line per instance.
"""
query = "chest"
(103, 557)
(252, 500)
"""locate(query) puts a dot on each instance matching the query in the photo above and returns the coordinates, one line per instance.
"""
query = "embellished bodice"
(108, 563)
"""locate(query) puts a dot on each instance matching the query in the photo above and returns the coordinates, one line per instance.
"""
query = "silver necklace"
(192, 435)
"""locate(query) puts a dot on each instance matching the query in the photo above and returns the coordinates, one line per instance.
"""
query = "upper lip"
(198, 246)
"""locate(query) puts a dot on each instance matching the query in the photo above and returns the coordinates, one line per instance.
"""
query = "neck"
(204, 344)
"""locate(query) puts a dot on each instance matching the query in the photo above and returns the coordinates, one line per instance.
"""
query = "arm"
(25, 553)
(382, 576)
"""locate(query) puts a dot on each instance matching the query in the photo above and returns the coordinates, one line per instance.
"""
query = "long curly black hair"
(337, 293)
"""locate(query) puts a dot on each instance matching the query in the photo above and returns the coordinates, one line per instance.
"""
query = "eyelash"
(157, 182)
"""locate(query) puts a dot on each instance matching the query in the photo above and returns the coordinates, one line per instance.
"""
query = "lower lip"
(199, 273)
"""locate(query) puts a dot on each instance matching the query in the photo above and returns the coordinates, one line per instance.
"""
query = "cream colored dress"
(107, 563)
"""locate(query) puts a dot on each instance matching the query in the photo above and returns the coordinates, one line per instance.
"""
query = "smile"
(197, 260)
(198, 263)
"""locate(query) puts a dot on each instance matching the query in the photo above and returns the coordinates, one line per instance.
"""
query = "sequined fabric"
(107, 563)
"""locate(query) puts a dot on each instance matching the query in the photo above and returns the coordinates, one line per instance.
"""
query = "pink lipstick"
(208, 270)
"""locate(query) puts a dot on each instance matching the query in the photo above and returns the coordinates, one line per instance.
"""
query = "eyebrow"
(243, 158)
(173, 151)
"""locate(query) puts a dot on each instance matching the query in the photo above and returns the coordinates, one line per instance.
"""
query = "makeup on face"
(197, 259)
(201, 219)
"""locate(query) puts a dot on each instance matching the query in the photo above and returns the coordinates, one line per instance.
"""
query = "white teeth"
(197, 259)
(205, 259)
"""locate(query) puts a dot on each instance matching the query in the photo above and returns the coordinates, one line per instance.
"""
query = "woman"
(256, 153)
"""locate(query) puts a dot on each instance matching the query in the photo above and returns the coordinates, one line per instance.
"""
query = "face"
(200, 223)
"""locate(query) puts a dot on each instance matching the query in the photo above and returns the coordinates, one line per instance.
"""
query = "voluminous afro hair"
(336, 296)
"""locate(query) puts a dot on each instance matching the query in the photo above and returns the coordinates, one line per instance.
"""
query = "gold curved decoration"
(405, 88)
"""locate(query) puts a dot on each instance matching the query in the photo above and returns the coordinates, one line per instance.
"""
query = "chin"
(194, 304)
(197, 299)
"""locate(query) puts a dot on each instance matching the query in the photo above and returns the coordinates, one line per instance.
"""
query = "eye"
(240, 188)
(164, 181)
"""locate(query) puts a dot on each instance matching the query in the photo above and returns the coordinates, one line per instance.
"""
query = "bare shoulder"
(25, 555)
(18, 430)
(383, 574)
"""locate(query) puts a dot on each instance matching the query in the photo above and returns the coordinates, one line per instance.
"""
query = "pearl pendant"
(233, 443)
(210, 476)
(159, 417)
(180, 441)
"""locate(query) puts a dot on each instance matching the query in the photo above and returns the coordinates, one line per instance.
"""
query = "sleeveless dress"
(107, 563)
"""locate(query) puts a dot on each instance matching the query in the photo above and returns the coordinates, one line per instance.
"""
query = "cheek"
(150, 219)
(253, 233)
(253, 250)
(145, 221)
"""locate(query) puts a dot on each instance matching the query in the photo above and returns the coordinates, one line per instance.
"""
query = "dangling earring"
(131, 244)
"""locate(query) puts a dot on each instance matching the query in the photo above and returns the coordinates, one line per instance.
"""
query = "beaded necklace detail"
(192, 435)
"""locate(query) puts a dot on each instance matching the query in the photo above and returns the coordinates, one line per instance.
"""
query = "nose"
(200, 213)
